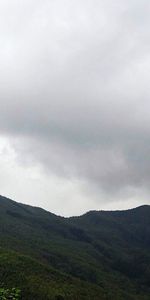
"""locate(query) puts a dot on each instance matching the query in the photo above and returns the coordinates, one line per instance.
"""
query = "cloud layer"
(74, 92)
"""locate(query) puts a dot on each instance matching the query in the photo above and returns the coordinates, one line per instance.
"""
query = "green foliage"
(100, 255)
(9, 294)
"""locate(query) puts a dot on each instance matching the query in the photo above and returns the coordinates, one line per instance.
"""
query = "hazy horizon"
(77, 215)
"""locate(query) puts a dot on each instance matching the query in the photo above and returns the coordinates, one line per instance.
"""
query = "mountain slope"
(100, 255)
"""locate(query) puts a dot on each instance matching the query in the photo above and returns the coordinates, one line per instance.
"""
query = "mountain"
(101, 255)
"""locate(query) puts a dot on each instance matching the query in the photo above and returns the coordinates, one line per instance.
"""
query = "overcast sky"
(75, 103)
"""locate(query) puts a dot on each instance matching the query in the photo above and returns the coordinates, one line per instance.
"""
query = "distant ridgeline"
(98, 256)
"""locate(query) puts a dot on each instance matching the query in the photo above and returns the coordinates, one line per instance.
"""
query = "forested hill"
(100, 255)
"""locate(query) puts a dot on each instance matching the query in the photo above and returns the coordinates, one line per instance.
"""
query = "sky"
(75, 104)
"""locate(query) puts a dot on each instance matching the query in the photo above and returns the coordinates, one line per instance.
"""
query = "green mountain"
(100, 256)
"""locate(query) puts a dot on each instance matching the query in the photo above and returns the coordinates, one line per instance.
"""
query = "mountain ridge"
(98, 255)
(74, 216)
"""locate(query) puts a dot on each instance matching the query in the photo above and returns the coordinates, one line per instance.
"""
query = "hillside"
(100, 255)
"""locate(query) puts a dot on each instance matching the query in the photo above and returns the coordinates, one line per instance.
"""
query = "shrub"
(9, 294)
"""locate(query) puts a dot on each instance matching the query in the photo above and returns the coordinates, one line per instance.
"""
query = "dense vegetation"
(100, 255)
(13, 294)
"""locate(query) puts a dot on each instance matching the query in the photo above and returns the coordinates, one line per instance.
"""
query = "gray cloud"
(74, 89)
